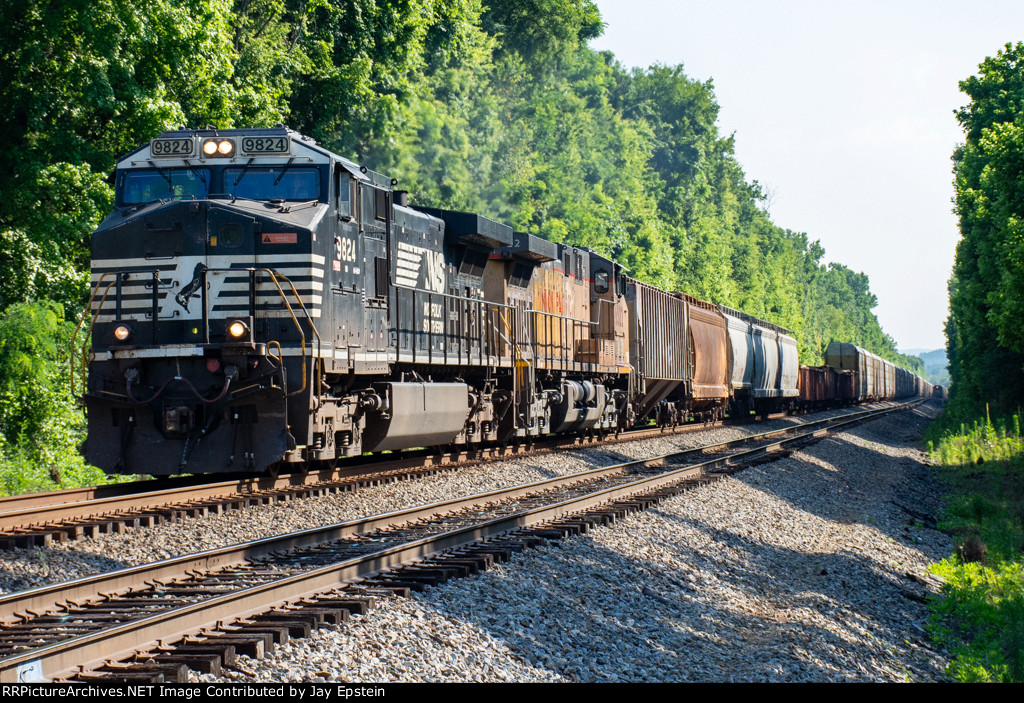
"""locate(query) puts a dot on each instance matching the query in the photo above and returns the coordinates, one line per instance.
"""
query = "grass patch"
(980, 620)
(24, 471)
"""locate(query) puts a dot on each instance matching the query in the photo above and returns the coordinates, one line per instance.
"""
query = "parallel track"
(223, 596)
(38, 520)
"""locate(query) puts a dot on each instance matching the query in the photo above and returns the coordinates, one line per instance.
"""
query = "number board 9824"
(266, 145)
(172, 148)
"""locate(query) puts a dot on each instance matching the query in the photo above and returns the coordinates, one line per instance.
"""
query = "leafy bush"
(41, 425)
(981, 620)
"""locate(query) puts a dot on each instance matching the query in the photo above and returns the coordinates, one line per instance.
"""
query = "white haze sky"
(843, 111)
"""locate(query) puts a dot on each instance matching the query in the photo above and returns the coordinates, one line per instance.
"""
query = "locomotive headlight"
(238, 329)
(219, 147)
(122, 333)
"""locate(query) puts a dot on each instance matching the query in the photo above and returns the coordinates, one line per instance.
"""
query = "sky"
(844, 113)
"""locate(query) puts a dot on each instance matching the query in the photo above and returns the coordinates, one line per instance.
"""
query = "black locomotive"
(257, 299)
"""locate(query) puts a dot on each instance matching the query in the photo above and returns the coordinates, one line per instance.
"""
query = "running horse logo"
(186, 293)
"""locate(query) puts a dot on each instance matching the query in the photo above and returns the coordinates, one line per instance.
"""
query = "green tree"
(985, 340)
(85, 82)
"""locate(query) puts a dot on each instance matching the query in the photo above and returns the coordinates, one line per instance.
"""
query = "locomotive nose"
(176, 229)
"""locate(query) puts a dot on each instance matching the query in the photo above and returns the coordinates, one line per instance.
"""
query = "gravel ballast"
(809, 568)
(26, 568)
(806, 569)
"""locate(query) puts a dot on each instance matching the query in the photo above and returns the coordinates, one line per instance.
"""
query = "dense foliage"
(982, 620)
(40, 426)
(500, 108)
(985, 334)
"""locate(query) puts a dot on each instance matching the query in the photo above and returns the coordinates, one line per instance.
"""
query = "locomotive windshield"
(267, 183)
(164, 184)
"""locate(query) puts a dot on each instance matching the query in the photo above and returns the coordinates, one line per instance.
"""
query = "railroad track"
(199, 610)
(39, 520)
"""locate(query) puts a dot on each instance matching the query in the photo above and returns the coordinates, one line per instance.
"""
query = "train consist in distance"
(259, 300)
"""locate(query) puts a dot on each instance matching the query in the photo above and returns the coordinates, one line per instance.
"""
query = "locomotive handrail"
(119, 277)
(450, 296)
(280, 353)
(496, 304)
(575, 323)
(519, 374)
(92, 324)
(312, 326)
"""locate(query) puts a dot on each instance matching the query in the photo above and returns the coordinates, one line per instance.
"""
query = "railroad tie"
(298, 627)
(250, 644)
(226, 651)
(171, 672)
(203, 663)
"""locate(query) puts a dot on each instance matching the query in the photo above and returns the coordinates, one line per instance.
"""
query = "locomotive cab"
(207, 284)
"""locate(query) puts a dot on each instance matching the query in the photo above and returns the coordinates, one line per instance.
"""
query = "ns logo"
(414, 262)
(435, 278)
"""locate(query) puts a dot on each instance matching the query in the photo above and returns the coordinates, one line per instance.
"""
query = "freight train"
(258, 300)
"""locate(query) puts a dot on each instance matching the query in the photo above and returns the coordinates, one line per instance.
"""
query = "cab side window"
(366, 205)
(343, 192)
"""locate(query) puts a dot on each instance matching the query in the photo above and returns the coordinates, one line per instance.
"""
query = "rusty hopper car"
(709, 351)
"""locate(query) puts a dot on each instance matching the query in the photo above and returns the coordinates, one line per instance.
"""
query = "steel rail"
(55, 507)
(23, 517)
(87, 651)
(50, 509)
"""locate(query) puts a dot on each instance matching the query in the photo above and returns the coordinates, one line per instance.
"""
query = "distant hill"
(935, 366)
